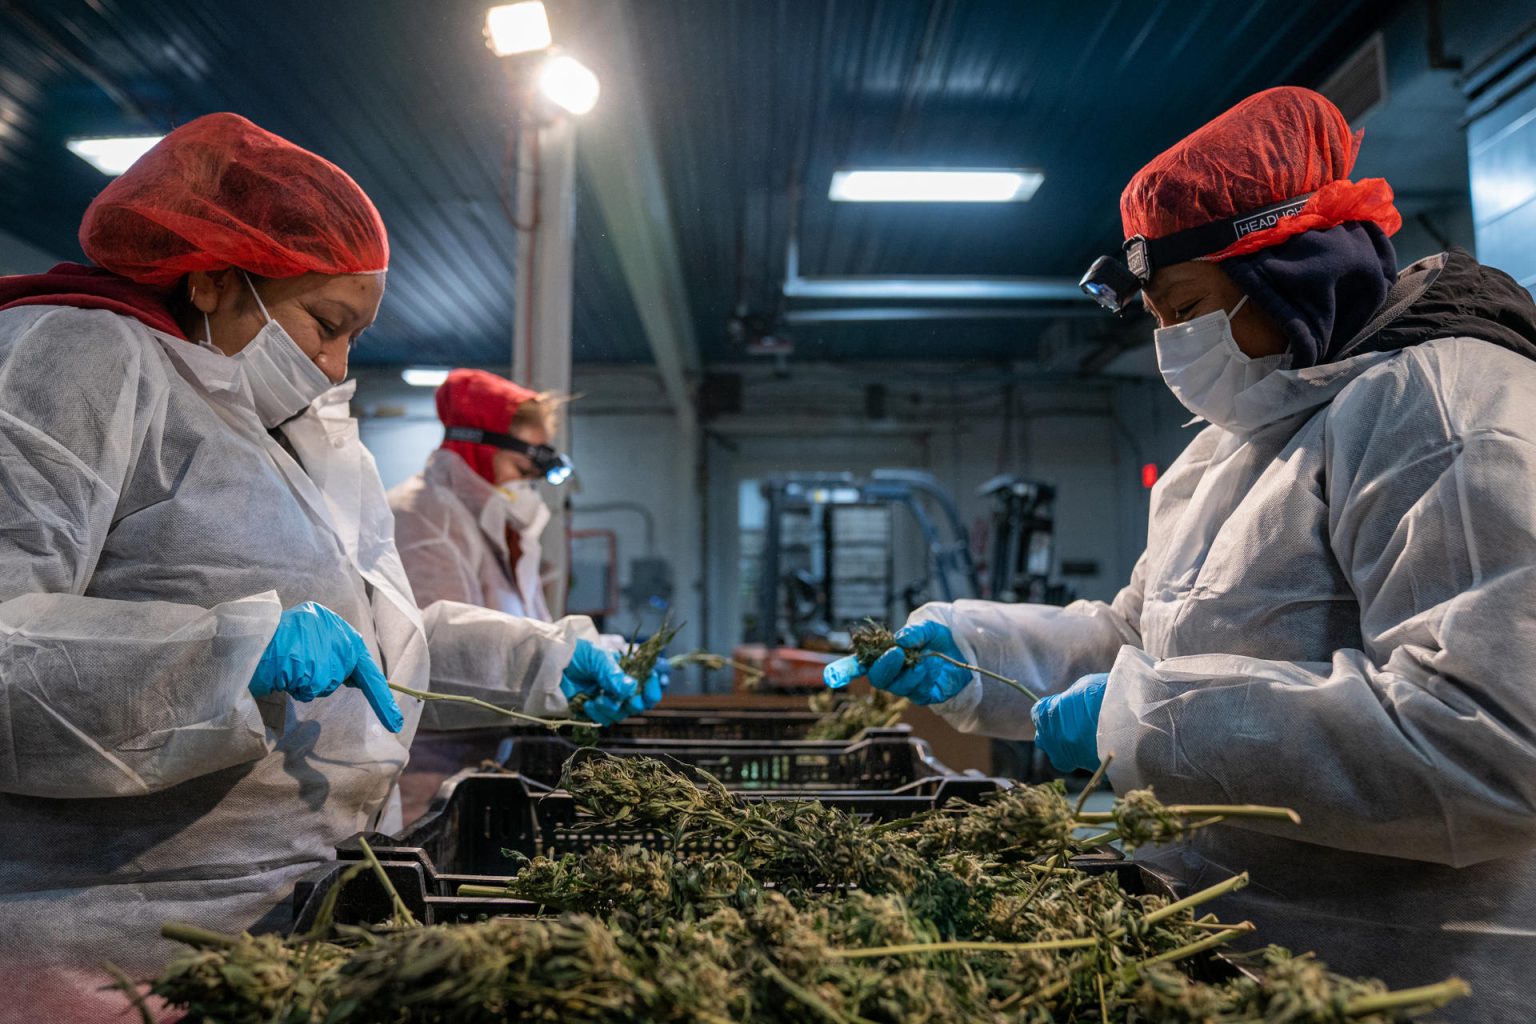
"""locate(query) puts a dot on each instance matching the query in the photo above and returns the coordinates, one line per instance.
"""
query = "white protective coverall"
(451, 528)
(1335, 612)
(151, 532)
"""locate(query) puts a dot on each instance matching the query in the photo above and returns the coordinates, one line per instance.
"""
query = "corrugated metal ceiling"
(753, 102)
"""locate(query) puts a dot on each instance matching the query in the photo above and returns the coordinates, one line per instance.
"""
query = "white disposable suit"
(1335, 612)
(452, 529)
(151, 531)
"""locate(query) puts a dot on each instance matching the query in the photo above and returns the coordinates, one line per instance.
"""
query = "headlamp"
(1113, 283)
(553, 465)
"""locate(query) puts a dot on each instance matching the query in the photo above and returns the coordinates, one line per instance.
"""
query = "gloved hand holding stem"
(921, 662)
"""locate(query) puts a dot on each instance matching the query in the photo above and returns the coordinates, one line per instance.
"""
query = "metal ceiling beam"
(1018, 289)
(618, 152)
(954, 289)
(869, 314)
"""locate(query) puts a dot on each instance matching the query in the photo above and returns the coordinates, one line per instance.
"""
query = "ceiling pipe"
(869, 314)
(962, 289)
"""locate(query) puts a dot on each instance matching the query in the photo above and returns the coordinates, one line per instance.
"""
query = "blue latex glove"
(649, 693)
(313, 652)
(1067, 723)
(596, 673)
(930, 681)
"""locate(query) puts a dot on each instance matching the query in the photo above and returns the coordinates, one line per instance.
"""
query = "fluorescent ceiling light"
(423, 376)
(517, 28)
(569, 83)
(916, 185)
(112, 156)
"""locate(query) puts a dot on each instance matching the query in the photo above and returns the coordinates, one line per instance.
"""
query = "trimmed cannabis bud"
(850, 716)
(784, 911)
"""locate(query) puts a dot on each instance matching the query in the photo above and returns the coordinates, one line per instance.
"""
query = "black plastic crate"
(364, 901)
(485, 814)
(465, 837)
(664, 723)
(881, 761)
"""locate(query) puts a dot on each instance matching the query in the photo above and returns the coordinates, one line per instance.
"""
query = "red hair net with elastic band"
(484, 401)
(220, 192)
(1273, 146)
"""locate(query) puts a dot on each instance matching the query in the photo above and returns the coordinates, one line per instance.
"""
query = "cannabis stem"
(402, 912)
(959, 947)
(1026, 691)
(548, 723)
(1196, 899)
(1219, 939)
(751, 674)
(1202, 811)
(1427, 996)
(192, 935)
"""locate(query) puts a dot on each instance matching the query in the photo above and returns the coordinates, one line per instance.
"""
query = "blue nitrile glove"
(841, 672)
(596, 673)
(930, 681)
(649, 693)
(1067, 723)
(313, 652)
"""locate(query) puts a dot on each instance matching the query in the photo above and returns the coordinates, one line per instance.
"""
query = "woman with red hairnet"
(469, 528)
(1336, 610)
(200, 596)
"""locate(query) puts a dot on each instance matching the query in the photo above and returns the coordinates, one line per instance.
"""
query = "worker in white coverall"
(200, 596)
(470, 530)
(1336, 609)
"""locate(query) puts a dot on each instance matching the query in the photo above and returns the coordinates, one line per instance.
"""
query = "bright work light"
(517, 28)
(423, 376)
(569, 83)
(934, 186)
(112, 156)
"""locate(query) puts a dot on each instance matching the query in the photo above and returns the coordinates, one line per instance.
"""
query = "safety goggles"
(554, 466)
(1113, 283)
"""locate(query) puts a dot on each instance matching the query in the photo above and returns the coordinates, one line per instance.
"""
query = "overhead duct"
(926, 287)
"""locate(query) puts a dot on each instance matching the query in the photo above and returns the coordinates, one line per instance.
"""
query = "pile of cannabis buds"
(793, 911)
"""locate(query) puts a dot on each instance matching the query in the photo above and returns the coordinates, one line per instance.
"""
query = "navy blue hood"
(1320, 287)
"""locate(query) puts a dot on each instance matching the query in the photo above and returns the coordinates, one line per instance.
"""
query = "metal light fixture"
(569, 83)
(112, 156)
(517, 28)
(935, 185)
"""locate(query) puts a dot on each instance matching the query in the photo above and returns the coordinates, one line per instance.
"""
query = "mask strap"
(207, 332)
(263, 307)
(1230, 316)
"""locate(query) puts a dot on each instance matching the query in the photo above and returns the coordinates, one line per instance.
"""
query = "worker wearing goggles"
(470, 529)
(1336, 608)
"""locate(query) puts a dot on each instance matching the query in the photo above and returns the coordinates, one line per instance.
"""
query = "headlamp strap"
(1144, 255)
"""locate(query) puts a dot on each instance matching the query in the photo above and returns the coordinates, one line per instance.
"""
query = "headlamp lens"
(559, 470)
(1110, 284)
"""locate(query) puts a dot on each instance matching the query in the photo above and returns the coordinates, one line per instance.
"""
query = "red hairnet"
(484, 401)
(1273, 146)
(220, 192)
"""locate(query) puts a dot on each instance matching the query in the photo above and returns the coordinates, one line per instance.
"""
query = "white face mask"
(283, 380)
(525, 509)
(1202, 365)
